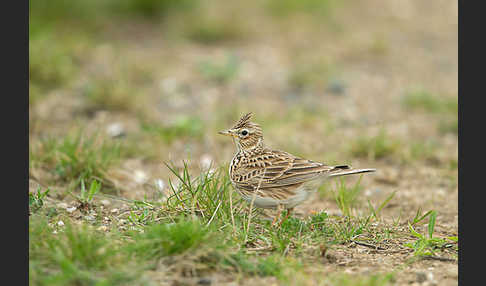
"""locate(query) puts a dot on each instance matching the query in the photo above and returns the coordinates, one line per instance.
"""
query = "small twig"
(368, 245)
(287, 248)
(249, 215)
(231, 210)
(429, 257)
(200, 209)
(210, 220)
(122, 213)
(240, 209)
(259, 248)
(448, 245)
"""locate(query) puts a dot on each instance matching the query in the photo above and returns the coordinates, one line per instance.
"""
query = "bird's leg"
(287, 215)
(279, 213)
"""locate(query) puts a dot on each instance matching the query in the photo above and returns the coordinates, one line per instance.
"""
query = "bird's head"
(246, 134)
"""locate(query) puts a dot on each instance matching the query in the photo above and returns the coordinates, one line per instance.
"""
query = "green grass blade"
(387, 200)
(412, 230)
(431, 226)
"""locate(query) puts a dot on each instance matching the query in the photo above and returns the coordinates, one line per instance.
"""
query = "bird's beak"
(226, 132)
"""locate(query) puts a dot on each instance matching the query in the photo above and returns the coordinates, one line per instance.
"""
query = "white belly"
(268, 203)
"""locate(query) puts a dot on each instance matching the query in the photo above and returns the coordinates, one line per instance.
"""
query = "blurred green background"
(318, 74)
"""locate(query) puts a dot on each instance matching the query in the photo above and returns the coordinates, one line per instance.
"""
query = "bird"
(274, 179)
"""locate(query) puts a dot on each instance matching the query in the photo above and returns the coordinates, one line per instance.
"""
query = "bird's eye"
(244, 132)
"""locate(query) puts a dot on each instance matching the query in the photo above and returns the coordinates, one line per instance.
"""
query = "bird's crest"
(244, 120)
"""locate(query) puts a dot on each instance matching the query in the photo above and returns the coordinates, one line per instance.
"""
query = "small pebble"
(105, 202)
(71, 209)
(115, 130)
(89, 217)
(60, 223)
(63, 205)
(159, 184)
(140, 176)
(430, 278)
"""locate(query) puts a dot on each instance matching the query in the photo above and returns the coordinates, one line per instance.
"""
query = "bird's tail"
(346, 170)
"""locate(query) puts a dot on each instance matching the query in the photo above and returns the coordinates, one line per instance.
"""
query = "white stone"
(115, 129)
(159, 184)
(105, 202)
(140, 177)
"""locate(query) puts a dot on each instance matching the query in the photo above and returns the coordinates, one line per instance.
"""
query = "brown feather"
(243, 120)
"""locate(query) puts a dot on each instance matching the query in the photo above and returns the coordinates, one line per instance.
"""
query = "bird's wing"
(274, 168)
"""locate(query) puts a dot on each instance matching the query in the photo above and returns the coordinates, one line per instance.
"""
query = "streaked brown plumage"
(273, 178)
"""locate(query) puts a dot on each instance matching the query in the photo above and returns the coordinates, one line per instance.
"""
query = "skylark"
(272, 178)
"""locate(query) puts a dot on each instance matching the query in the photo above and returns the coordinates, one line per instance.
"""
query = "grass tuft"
(153, 9)
(85, 198)
(110, 94)
(76, 157)
(424, 151)
(376, 147)
(162, 240)
(421, 99)
(449, 126)
(427, 245)
(272, 265)
(36, 200)
(206, 196)
(181, 127)
(53, 60)
(44, 16)
(215, 30)
(77, 255)
(347, 198)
